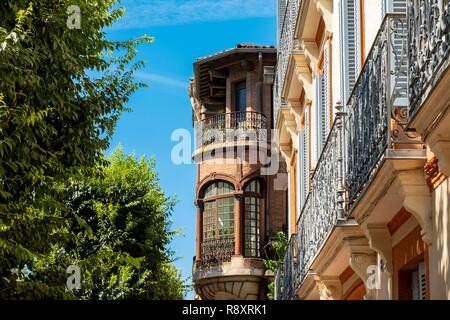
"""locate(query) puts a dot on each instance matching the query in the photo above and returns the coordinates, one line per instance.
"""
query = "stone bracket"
(441, 148)
(413, 188)
(330, 288)
(380, 241)
(362, 258)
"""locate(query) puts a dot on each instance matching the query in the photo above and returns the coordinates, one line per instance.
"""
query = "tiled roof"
(253, 46)
(239, 46)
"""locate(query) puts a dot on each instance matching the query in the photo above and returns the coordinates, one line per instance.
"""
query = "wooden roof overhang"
(211, 71)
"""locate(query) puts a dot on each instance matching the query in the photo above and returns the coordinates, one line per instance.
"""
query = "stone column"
(199, 237)
(237, 223)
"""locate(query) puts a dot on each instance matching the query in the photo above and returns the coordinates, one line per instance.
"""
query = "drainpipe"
(259, 84)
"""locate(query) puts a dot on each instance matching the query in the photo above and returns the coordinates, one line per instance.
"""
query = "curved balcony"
(222, 129)
(217, 251)
(221, 274)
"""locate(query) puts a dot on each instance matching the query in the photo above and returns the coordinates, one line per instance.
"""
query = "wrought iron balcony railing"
(377, 107)
(374, 121)
(325, 203)
(231, 127)
(286, 277)
(214, 252)
(429, 47)
(287, 43)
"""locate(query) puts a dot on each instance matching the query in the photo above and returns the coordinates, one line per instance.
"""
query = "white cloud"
(162, 79)
(147, 13)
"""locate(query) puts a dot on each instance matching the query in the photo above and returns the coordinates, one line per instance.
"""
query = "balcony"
(325, 204)
(220, 274)
(429, 48)
(286, 45)
(217, 251)
(369, 131)
(285, 277)
(231, 128)
(377, 108)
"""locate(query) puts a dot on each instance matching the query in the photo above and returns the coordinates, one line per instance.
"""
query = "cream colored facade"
(364, 128)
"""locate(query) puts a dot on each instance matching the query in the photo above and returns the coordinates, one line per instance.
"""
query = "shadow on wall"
(440, 248)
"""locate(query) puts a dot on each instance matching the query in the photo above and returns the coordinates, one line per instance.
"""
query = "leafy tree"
(61, 93)
(278, 246)
(123, 232)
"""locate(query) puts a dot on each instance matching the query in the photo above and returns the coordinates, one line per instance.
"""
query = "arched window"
(218, 211)
(252, 219)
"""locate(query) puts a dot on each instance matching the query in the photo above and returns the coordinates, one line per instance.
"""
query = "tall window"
(241, 96)
(350, 45)
(252, 219)
(218, 211)
(304, 160)
(323, 103)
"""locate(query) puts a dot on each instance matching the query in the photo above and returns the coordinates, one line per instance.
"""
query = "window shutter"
(304, 162)
(317, 116)
(323, 103)
(326, 95)
(422, 281)
(350, 33)
(399, 64)
(418, 283)
(394, 6)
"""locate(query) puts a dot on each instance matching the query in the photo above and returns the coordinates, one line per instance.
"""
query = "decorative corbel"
(440, 146)
(304, 76)
(295, 107)
(380, 241)
(325, 9)
(330, 288)
(414, 190)
(362, 260)
(311, 53)
(286, 153)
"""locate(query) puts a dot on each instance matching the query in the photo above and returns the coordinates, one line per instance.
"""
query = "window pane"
(209, 225)
(226, 216)
(218, 188)
(253, 187)
(241, 96)
(251, 222)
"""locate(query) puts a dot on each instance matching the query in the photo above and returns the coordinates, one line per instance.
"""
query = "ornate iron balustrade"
(377, 107)
(287, 274)
(375, 121)
(231, 127)
(287, 43)
(217, 251)
(325, 204)
(429, 46)
(279, 284)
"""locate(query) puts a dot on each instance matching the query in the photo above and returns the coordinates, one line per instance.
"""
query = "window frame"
(239, 86)
(259, 203)
(215, 199)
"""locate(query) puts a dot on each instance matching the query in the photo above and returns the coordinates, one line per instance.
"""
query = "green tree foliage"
(278, 246)
(62, 91)
(123, 232)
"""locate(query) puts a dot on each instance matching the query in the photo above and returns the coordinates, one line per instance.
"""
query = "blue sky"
(183, 31)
